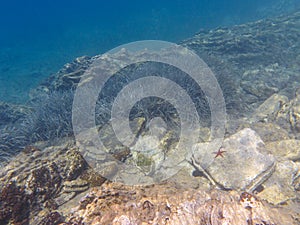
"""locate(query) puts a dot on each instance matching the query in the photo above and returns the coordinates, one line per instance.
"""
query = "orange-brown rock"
(164, 204)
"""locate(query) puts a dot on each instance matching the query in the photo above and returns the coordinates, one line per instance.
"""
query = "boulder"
(243, 165)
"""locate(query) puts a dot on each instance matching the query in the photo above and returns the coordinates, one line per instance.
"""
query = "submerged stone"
(285, 149)
(278, 188)
(244, 164)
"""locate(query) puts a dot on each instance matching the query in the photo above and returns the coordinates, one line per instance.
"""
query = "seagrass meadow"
(254, 178)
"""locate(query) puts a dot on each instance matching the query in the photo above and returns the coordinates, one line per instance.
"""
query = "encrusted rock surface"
(14, 204)
(164, 204)
(268, 108)
(282, 116)
(37, 179)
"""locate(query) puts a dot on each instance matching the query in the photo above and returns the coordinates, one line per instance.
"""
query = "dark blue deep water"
(39, 37)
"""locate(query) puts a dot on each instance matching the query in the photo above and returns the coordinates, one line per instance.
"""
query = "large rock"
(43, 180)
(164, 204)
(278, 116)
(244, 165)
(289, 116)
(268, 109)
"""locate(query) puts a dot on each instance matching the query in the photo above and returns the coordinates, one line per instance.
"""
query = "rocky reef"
(164, 204)
(253, 179)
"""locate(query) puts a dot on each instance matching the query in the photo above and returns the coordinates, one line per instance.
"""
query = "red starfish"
(219, 152)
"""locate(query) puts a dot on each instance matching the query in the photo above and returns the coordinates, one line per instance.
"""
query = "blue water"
(39, 37)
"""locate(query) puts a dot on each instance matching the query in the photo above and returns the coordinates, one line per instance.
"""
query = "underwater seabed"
(253, 179)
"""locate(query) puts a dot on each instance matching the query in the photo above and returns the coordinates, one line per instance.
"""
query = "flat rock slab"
(244, 165)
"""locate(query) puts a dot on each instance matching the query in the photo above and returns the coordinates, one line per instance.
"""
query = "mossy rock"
(143, 161)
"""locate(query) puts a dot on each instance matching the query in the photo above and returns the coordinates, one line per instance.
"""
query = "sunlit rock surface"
(244, 164)
(164, 204)
(279, 188)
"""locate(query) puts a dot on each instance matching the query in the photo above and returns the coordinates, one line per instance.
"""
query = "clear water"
(39, 37)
